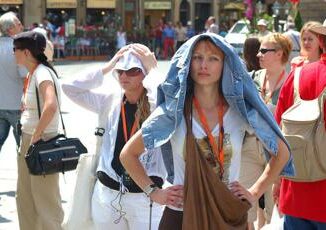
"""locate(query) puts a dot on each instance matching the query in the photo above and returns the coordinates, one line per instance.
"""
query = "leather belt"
(112, 184)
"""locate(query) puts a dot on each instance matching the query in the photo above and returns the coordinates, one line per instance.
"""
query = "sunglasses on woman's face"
(133, 72)
(263, 50)
(15, 48)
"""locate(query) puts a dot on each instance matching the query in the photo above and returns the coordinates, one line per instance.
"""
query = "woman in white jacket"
(118, 203)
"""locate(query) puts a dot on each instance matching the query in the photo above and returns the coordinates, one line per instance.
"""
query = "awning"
(162, 5)
(61, 4)
(101, 4)
(234, 6)
(11, 2)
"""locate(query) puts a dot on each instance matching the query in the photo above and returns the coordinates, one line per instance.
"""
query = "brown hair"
(250, 50)
(281, 42)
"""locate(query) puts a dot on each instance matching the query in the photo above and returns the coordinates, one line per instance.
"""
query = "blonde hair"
(307, 26)
(281, 42)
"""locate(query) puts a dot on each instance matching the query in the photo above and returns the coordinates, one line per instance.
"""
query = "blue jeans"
(8, 118)
(294, 223)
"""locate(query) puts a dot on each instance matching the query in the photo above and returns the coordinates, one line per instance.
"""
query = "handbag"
(78, 215)
(208, 202)
(58, 154)
(303, 126)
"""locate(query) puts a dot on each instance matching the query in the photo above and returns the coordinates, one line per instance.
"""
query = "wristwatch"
(149, 189)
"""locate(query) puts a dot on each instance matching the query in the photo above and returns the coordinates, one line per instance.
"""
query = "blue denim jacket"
(238, 90)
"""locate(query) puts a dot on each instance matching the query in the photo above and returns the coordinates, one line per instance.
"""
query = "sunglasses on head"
(133, 72)
(263, 50)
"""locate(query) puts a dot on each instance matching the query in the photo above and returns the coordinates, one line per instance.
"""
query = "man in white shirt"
(11, 78)
(262, 28)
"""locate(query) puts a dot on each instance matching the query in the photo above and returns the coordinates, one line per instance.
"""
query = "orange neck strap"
(27, 80)
(216, 148)
(124, 123)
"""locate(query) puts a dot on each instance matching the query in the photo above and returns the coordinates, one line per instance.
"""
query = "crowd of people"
(199, 148)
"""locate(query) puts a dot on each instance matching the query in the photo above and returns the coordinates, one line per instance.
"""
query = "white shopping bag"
(277, 221)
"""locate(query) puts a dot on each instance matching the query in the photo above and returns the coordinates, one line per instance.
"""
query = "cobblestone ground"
(8, 167)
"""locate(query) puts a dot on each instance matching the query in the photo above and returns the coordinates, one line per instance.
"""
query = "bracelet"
(149, 189)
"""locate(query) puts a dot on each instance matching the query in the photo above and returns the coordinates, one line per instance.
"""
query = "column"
(32, 11)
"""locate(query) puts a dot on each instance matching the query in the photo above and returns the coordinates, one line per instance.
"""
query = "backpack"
(303, 126)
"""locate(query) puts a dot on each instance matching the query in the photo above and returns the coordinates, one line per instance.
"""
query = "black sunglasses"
(15, 48)
(133, 72)
(263, 50)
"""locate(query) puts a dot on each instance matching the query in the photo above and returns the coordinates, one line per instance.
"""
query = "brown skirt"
(171, 220)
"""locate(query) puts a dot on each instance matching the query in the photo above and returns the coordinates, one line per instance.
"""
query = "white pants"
(129, 211)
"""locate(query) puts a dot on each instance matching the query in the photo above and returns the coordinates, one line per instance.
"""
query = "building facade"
(143, 14)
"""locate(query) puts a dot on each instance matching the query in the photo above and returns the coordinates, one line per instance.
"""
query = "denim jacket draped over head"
(238, 90)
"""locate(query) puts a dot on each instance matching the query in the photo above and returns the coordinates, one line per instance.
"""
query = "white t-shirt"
(234, 131)
(30, 118)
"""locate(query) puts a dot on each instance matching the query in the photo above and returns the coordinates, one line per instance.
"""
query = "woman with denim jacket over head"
(204, 109)
(117, 202)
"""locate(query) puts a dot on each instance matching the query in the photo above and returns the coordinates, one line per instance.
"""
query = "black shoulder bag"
(59, 154)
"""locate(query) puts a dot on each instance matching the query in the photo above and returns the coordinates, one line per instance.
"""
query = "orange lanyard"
(263, 90)
(27, 80)
(216, 148)
(124, 123)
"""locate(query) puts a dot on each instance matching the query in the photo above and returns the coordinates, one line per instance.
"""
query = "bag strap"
(100, 130)
(56, 95)
(167, 156)
(321, 103)
(296, 93)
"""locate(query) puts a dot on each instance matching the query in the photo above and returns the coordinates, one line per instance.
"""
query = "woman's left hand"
(241, 192)
(35, 138)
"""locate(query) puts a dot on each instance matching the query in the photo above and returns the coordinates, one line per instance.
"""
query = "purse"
(58, 154)
(78, 215)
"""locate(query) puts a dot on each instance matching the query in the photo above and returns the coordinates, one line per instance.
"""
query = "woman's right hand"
(172, 195)
(110, 65)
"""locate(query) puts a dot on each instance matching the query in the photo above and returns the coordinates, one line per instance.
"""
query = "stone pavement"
(73, 116)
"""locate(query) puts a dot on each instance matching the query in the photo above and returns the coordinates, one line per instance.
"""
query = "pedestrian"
(304, 203)
(250, 50)
(273, 55)
(11, 78)
(294, 35)
(168, 35)
(190, 30)
(49, 49)
(262, 28)
(207, 103)
(118, 203)
(212, 27)
(38, 197)
(310, 49)
(158, 38)
(181, 34)
(121, 38)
